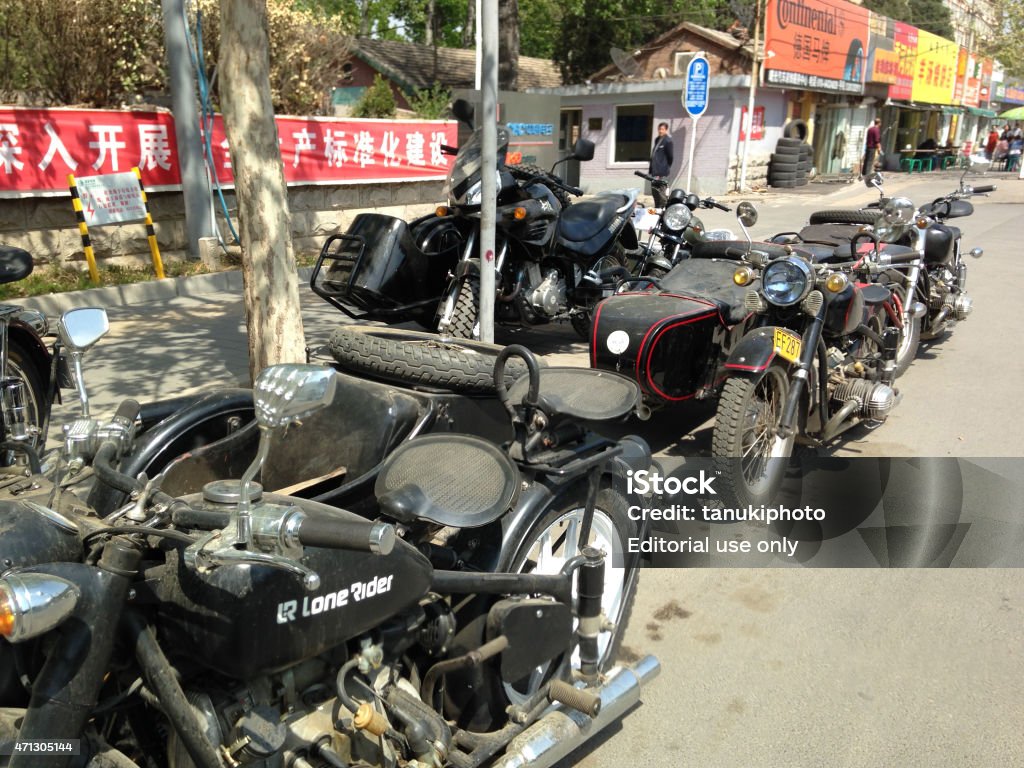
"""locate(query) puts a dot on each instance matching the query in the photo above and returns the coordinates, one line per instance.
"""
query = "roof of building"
(412, 65)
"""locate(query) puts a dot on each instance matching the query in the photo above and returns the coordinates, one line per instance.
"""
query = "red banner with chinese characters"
(756, 125)
(40, 147)
(905, 46)
(816, 44)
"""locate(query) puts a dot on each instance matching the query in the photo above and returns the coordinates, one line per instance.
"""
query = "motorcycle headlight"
(676, 217)
(474, 194)
(34, 603)
(786, 281)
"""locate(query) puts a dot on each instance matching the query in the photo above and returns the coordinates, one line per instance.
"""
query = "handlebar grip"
(573, 190)
(643, 175)
(719, 206)
(128, 410)
(447, 149)
(331, 533)
(983, 189)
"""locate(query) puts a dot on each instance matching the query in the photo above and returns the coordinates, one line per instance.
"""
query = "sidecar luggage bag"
(376, 265)
(666, 340)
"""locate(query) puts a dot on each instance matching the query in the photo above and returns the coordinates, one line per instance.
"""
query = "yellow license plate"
(787, 344)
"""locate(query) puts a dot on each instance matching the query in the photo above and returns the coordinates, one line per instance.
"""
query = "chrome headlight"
(899, 210)
(786, 281)
(475, 194)
(676, 217)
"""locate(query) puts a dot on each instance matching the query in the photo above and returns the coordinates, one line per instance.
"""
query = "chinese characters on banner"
(905, 45)
(756, 125)
(934, 69)
(816, 44)
(40, 147)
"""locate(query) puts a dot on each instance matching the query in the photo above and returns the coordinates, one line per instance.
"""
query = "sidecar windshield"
(463, 184)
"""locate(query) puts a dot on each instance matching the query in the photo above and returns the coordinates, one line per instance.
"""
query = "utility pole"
(487, 22)
(748, 121)
(195, 186)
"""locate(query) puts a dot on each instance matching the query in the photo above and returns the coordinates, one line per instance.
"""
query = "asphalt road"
(769, 667)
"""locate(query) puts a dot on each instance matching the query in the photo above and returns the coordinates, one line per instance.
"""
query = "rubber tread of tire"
(795, 129)
(783, 160)
(845, 216)
(410, 357)
(524, 171)
(789, 152)
(787, 142)
(782, 184)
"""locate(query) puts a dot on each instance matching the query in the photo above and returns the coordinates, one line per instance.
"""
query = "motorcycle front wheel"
(20, 366)
(555, 539)
(465, 316)
(582, 318)
(750, 456)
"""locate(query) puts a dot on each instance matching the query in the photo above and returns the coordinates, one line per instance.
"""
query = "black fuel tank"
(844, 311)
(244, 620)
(938, 244)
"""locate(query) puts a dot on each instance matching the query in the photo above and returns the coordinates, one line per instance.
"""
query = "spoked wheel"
(20, 367)
(555, 539)
(748, 451)
(910, 336)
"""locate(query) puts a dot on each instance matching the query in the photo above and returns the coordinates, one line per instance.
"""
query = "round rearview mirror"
(872, 181)
(80, 328)
(747, 214)
(899, 210)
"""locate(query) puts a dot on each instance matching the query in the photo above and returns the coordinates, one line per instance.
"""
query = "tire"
(524, 171)
(543, 550)
(795, 129)
(787, 142)
(412, 357)
(21, 366)
(840, 216)
(749, 458)
(788, 153)
(581, 319)
(805, 152)
(782, 184)
(784, 161)
(774, 176)
(909, 341)
(465, 317)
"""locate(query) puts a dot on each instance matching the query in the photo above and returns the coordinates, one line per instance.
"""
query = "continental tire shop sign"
(815, 45)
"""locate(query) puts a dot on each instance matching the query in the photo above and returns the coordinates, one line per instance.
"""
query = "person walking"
(661, 165)
(871, 145)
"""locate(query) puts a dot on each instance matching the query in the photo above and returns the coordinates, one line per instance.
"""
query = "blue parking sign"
(695, 88)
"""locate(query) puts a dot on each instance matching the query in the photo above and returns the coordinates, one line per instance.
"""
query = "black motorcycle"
(938, 281)
(676, 230)
(29, 372)
(554, 261)
(819, 359)
(241, 627)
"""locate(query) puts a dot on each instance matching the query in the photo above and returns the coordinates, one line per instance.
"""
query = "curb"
(55, 304)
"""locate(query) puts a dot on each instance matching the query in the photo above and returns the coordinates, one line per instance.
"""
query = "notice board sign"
(113, 198)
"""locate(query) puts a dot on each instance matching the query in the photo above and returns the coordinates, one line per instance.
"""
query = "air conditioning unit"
(680, 61)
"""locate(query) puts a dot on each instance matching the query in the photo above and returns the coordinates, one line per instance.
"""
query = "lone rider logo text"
(357, 592)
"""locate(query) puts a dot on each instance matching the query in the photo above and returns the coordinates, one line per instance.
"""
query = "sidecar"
(386, 269)
(673, 335)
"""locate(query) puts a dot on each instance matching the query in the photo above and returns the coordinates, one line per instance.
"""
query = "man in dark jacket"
(661, 165)
(872, 143)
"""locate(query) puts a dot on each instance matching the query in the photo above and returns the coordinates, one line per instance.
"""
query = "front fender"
(754, 352)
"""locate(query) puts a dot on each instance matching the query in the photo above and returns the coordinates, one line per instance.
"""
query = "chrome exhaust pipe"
(562, 730)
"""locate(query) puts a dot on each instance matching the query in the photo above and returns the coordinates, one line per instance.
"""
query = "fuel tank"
(246, 620)
(938, 244)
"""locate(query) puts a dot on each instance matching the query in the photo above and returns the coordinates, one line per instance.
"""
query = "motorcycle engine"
(546, 296)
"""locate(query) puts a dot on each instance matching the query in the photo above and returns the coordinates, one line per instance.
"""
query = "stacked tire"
(790, 163)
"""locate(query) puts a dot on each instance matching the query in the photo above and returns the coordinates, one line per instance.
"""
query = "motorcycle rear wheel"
(553, 540)
(750, 456)
(414, 357)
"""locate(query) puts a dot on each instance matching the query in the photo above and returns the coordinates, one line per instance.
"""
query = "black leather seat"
(711, 280)
(583, 220)
(15, 264)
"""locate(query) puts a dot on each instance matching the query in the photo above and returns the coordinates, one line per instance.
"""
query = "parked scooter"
(242, 627)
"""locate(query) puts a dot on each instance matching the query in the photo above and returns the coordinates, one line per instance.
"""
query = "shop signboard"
(934, 69)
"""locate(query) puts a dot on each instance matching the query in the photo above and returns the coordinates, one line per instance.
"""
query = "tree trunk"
(268, 263)
(469, 31)
(428, 33)
(508, 45)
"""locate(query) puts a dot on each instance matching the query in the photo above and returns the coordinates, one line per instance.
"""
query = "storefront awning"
(980, 112)
(950, 110)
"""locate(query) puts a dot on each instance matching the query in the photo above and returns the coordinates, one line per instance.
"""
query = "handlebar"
(547, 178)
(710, 202)
(983, 189)
(447, 149)
(324, 531)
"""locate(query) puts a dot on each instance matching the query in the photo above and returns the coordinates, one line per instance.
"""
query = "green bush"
(431, 103)
(376, 101)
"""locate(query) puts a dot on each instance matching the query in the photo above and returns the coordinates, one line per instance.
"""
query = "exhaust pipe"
(563, 730)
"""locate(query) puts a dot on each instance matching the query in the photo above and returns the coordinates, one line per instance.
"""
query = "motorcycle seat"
(581, 393)
(737, 249)
(15, 264)
(583, 220)
(948, 209)
(711, 280)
